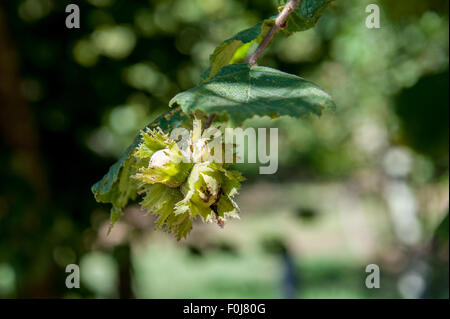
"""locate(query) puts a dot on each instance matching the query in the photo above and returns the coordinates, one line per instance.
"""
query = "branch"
(280, 22)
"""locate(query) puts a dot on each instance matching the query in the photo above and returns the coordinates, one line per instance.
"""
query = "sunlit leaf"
(236, 47)
(240, 91)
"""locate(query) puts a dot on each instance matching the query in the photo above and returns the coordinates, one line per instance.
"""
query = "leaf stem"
(280, 22)
(209, 121)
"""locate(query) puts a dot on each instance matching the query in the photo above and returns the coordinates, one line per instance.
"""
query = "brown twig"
(280, 22)
(209, 121)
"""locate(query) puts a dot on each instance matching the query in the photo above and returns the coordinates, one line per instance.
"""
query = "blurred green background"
(366, 184)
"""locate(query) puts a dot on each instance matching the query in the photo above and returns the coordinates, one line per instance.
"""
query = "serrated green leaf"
(202, 189)
(180, 225)
(163, 160)
(240, 91)
(160, 200)
(151, 142)
(116, 187)
(306, 15)
(227, 208)
(232, 182)
(235, 48)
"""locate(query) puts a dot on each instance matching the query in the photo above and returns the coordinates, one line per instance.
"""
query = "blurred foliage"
(84, 94)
